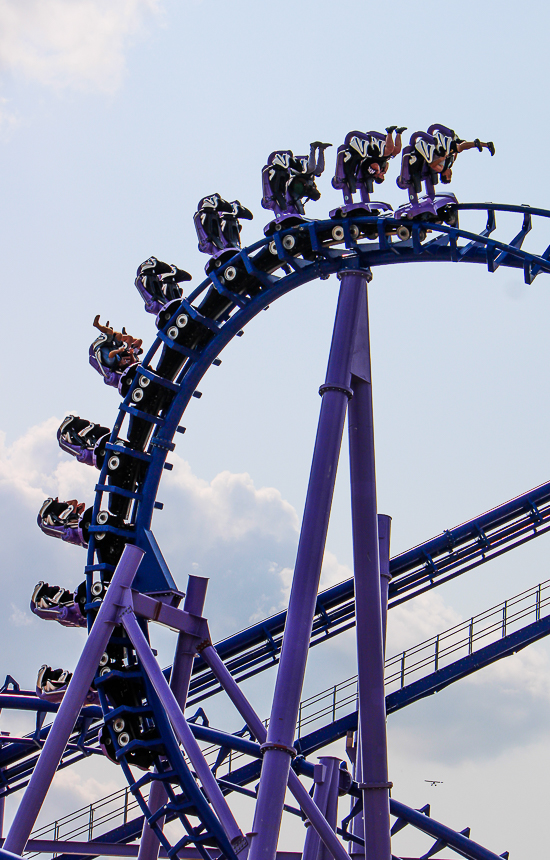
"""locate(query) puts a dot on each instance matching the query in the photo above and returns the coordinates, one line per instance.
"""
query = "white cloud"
(19, 618)
(417, 620)
(78, 44)
(34, 468)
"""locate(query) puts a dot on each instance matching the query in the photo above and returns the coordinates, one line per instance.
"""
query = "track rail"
(265, 277)
(217, 313)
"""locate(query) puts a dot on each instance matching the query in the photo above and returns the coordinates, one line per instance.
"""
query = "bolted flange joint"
(366, 273)
(281, 747)
(342, 388)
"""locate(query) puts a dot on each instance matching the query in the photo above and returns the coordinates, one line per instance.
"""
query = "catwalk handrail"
(431, 655)
(256, 648)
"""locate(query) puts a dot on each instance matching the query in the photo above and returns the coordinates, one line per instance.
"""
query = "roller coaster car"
(437, 208)
(125, 471)
(113, 370)
(63, 520)
(294, 243)
(183, 330)
(131, 719)
(83, 440)
(158, 283)
(53, 603)
(359, 210)
(149, 396)
(52, 684)
(107, 544)
(217, 224)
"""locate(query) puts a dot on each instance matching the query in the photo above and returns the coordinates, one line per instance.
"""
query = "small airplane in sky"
(434, 781)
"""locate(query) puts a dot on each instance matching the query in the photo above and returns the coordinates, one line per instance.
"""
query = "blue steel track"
(315, 256)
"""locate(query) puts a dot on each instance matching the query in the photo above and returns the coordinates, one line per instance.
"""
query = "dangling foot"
(390, 129)
(319, 145)
(401, 129)
(491, 147)
(478, 144)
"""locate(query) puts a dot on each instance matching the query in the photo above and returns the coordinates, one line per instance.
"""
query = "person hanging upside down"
(63, 520)
(364, 158)
(217, 223)
(119, 350)
(54, 603)
(441, 152)
(301, 183)
(378, 154)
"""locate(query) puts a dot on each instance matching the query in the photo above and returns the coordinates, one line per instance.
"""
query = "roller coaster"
(118, 701)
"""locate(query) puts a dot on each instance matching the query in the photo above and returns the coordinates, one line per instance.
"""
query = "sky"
(116, 117)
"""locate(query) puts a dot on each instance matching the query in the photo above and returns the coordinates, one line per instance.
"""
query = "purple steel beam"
(457, 841)
(73, 700)
(369, 632)
(384, 532)
(186, 648)
(113, 849)
(384, 529)
(182, 730)
(259, 731)
(278, 748)
(327, 782)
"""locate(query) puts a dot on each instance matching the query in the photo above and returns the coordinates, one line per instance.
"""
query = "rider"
(62, 520)
(279, 167)
(118, 350)
(439, 150)
(219, 220)
(157, 282)
(367, 156)
(301, 182)
(229, 223)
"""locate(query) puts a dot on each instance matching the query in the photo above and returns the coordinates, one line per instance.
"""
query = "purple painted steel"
(327, 783)
(384, 532)
(114, 849)
(254, 723)
(384, 527)
(370, 651)
(179, 684)
(8, 855)
(182, 730)
(305, 583)
(73, 700)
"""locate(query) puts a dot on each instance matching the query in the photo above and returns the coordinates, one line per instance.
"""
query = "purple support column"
(73, 700)
(384, 531)
(370, 650)
(327, 781)
(182, 730)
(384, 527)
(254, 723)
(179, 684)
(305, 583)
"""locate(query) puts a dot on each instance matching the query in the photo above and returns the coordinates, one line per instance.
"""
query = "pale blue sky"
(115, 118)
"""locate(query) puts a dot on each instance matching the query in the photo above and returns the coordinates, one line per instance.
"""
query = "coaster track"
(215, 312)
